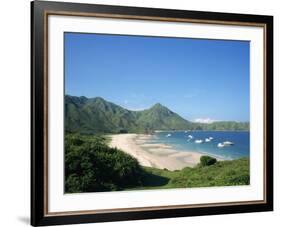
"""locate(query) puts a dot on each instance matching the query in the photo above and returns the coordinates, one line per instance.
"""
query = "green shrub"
(91, 165)
(207, 160)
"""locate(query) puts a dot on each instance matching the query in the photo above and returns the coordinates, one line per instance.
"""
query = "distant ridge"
(96, 115)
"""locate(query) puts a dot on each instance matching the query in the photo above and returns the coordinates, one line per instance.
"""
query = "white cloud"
(204, 120)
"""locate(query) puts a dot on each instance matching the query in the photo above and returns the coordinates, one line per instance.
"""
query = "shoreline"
(158, 155)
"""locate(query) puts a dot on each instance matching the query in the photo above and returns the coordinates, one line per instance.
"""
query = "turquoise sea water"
(180, 141)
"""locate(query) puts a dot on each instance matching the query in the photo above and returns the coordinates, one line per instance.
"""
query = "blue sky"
(199, 79)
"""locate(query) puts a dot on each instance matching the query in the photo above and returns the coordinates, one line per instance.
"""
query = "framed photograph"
(142, 113)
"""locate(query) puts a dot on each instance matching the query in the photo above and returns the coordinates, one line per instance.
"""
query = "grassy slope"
(223, 173)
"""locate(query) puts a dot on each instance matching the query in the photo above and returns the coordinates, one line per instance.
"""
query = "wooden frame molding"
(40, 214)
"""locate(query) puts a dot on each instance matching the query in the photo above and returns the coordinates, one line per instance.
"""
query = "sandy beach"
(154, 155)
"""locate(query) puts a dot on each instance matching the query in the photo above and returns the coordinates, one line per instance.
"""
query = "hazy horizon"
(201, 80)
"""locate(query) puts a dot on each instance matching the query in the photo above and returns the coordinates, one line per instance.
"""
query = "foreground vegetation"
(222, 173)
(91, 165)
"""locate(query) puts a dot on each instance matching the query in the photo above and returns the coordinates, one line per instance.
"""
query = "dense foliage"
(207, 160)
(90, 165)
(96, 115)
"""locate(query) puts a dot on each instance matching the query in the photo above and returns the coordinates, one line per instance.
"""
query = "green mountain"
(96, 115)
(224, 126)
(159, 117)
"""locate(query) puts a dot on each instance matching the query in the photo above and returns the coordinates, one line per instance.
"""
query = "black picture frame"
(39, 111)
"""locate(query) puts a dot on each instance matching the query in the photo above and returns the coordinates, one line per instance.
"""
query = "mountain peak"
(75, 99)
(158, 108)
(158, 105)
(99, 99)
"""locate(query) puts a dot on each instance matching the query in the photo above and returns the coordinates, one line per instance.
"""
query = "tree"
(207, 160)
(91, 165)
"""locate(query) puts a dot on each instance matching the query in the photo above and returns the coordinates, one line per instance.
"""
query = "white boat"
(168, 135)
(211, 138)
(228, 143)
(207, 140)
(198, 141)
(225, 144)
(190, 136)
